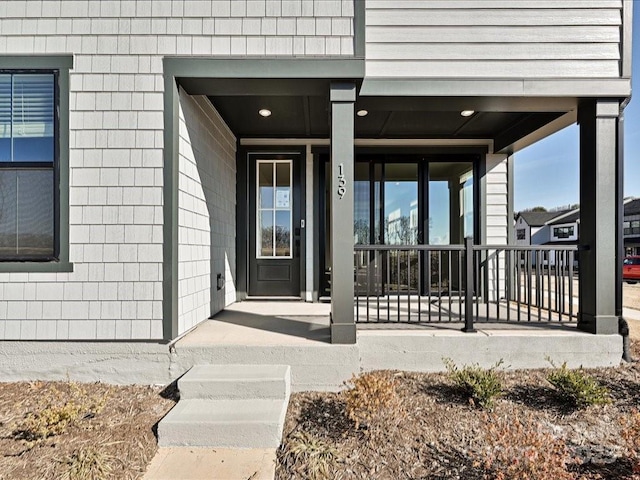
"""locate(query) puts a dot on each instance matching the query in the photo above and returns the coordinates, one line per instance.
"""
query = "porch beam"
(599, 164)
(342, 97)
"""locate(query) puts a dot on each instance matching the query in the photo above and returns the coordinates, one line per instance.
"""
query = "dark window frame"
(54, 165)
(60, 64)
(521, 234)
(564, 232)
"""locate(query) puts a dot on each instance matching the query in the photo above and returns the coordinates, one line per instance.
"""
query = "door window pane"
(283, 185)
(274, 208)
(265, 185)
(283, 233)
(265, 236)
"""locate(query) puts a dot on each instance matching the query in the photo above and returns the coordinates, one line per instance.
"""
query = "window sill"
(35, 267)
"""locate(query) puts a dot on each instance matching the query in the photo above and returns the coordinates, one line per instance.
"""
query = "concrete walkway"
(190, 463)
(632, 316)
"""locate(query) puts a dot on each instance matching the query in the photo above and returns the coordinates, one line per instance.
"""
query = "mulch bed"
(95, 428)
(441, 432)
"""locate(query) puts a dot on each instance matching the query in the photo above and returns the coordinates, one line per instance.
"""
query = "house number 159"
(342, 183)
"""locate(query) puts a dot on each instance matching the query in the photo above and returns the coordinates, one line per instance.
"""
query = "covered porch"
(299, 209)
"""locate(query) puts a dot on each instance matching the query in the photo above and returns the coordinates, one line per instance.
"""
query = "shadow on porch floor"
(300, 323)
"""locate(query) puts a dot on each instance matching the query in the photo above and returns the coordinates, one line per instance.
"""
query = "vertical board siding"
(494, 39)
(206, 212)
(116, 146)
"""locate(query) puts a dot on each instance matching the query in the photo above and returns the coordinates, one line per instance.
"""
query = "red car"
(631, 269)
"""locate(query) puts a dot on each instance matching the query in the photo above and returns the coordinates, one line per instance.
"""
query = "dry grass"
(443, 436)
(67, 430)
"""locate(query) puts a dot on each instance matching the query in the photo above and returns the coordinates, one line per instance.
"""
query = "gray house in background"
(563, 227)
(161, 160)
(631, 227)
(532, 228)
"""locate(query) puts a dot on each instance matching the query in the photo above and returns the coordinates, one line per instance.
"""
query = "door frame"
(244, 162)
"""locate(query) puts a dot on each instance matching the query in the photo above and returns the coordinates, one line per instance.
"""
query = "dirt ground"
(66, 430)
(441, 435)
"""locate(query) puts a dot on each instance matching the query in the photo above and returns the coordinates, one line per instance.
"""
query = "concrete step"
(224, 423)
(236, 382)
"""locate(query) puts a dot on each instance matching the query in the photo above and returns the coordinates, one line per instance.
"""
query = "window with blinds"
(27, 166)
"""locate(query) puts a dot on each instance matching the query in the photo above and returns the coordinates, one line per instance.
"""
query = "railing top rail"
(384, 248)
(455, 248)
(531, 248)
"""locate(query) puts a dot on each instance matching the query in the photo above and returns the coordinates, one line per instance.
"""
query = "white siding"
(506, 39)
(206, 212)
(497, 218)
(116, 141)
(497, 214)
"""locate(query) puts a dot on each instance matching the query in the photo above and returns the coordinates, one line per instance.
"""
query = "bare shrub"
(309, 456)
(630, 432)
(89, 463)
(373, 401)
(57, 410)
(520, 449)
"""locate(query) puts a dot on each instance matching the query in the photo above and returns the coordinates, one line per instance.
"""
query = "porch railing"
(465, 283)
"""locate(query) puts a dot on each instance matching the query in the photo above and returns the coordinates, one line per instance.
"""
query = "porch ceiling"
(300, 109)
(308, 116)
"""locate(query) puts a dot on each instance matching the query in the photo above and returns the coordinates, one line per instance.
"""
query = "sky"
(547, 172)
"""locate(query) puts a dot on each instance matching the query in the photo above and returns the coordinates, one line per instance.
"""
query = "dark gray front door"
(274, 224)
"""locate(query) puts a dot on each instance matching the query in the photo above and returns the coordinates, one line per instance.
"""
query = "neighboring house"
(631, 227)
(531, 228)
(558, 227)
(160, 160)
(563, 227)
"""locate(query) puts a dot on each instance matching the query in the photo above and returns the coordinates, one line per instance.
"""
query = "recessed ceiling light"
(362, 113)
(467, 113)
(265, 112)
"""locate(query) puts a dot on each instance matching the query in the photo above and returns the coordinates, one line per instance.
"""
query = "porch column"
(343, 327)
(599, 165)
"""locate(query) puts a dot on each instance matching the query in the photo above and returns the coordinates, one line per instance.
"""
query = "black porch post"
(599, 159)
(343, 327)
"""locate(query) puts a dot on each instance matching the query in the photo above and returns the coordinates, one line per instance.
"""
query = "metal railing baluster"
(439, 285)
(398, 253)
(449, 273)
(409, 286)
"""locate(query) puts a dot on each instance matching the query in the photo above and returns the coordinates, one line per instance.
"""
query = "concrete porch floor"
(298, 334)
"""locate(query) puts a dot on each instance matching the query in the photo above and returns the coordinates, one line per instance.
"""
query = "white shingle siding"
(116, 158)
(206, 212)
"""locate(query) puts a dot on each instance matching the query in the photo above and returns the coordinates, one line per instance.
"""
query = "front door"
(274, 224)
